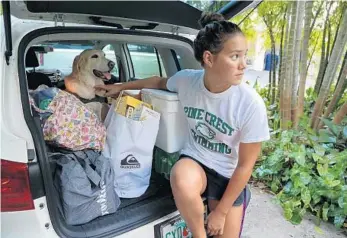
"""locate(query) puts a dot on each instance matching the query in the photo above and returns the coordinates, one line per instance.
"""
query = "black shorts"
(217, 184)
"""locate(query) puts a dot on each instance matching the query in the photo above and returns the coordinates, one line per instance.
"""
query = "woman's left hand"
(215, 223)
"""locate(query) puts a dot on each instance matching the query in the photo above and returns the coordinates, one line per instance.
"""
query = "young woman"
(227, 123)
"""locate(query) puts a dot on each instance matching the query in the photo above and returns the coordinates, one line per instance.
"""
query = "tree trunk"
(337, 29)
(281, 47)
(269, 28)
(345, 84)
(340, 114)
(340, 88)
(303, 65)
(323, 62)
(281, 65)
(316, 16)
(272, 73)
(283, 78)
(273, 95)
(287, 85)
(314, 49)
(344, 62)
(328, 50)
(311, 29)
(331, 71)
(270, 78)
(296, 59)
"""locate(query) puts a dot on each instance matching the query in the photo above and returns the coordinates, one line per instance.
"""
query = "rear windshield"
(61, 57)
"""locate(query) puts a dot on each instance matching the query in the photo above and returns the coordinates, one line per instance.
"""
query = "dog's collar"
(96, 99)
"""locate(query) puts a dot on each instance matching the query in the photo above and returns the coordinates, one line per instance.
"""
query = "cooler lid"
(162, 94)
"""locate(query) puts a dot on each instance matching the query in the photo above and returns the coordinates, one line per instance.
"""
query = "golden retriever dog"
(90, 68)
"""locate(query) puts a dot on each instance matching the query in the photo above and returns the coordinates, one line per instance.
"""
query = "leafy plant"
(306, 175)
(306, 170)
(336, 135)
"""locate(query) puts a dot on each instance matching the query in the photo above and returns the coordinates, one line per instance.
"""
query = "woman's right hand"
(112, 90)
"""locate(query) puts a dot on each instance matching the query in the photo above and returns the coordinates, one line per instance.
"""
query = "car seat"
(115, 79)
(35, 79)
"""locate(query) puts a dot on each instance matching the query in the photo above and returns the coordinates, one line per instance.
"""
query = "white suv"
(144, 38)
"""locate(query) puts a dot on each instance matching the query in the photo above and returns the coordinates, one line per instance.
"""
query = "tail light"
(15, 188)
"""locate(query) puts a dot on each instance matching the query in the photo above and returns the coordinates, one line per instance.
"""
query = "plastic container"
(173, 128)
(163, 161)
(132, 92)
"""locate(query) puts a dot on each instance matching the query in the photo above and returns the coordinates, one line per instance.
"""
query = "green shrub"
(307, 170)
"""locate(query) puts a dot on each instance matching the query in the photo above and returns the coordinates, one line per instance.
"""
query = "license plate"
(174, 228)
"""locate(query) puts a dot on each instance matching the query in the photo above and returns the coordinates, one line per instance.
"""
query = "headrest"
(31, 59)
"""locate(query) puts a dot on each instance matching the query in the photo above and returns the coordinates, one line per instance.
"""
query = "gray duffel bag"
(85, 180)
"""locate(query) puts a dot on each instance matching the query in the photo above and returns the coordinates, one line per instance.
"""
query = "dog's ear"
(75, 68)
(80, 62)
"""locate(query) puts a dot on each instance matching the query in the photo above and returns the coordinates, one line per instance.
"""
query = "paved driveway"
(264, 219)
(252, 75)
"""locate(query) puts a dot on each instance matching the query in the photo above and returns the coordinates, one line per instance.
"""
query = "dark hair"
(215, 30)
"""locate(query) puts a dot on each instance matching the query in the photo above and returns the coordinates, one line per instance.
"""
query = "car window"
(145, 61)
(110, 54)
(61, 57)
(178, 59)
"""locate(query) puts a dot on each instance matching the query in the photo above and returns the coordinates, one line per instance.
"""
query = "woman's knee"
(187, 176)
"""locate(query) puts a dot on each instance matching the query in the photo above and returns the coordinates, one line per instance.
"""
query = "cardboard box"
(127, 105)
(142, 113)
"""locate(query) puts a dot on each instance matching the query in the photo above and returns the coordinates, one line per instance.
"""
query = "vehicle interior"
(137, 57)
(133, 60)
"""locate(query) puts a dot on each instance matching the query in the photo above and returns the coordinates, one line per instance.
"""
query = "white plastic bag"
(129, 145)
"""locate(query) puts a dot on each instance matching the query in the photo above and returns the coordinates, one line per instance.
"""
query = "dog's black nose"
(111, 64)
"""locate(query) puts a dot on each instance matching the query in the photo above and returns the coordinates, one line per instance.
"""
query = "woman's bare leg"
(233, 220)
(188, 182)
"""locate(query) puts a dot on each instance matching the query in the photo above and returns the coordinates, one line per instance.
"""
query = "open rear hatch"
(160, 16)
(177, 17)
(163, 16)
(152, 15)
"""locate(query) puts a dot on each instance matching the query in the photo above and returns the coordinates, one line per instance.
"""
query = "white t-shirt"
(218, 122)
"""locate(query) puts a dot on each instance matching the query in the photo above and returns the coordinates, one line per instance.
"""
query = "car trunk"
(155, 203)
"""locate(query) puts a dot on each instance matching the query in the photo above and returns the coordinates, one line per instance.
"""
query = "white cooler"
(173, 128)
